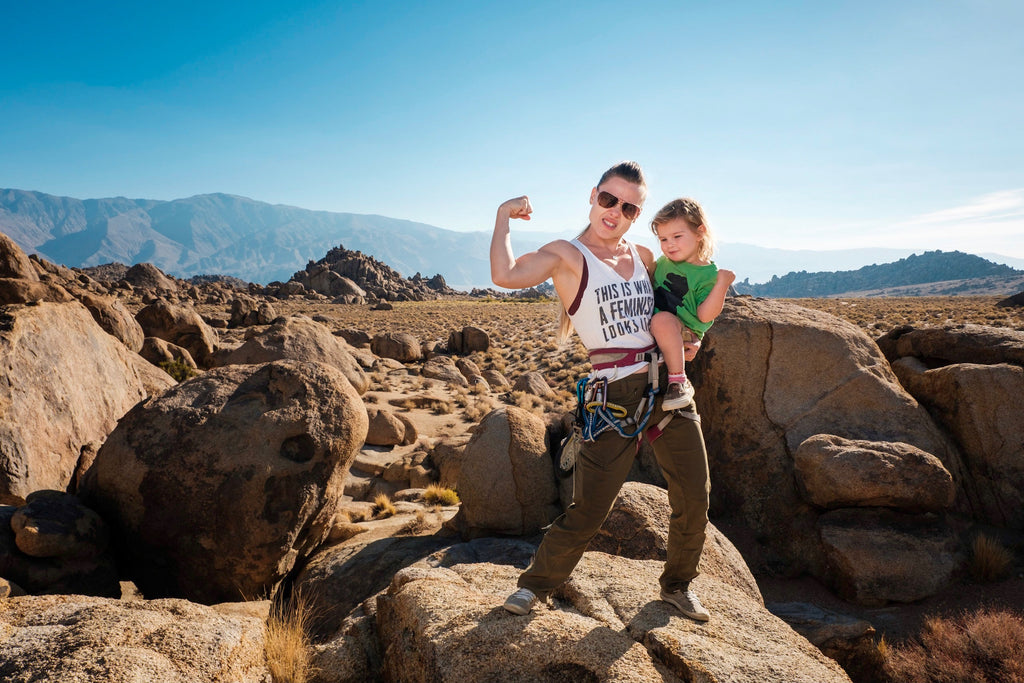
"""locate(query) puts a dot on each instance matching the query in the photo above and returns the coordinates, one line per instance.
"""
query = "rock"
(637, 528)
(497, 380)
(179, 325)
(400, 346)
(20, 291)
(387, 429)
(297, 338)
(447, 456)
(148, 276)
(771, 375)
(66, 383)
(219, 486)
(54, 544)
(9, 589)
(441, 620)
(848, 640)
(879, 556)
(937, 346)
(1012, 301)
(246, 312)
(507, 481)
(980, 406)
(468, 340)
(833, 472)
(13, 261)
(78, 639)
(354, 337)
(116, 319)
(471, 371)
(533, 383)
(444, 369)
(158, 351)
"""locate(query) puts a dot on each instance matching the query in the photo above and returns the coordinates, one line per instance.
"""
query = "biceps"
(531, 269)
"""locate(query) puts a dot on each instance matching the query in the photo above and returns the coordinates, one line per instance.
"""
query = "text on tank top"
(611, 311)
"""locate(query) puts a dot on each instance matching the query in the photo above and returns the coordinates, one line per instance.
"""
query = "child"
(689, 290)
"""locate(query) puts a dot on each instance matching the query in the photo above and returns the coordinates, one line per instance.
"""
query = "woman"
(604, 285)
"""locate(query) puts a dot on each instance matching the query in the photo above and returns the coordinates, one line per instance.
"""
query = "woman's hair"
(691, 212)
(631, 172)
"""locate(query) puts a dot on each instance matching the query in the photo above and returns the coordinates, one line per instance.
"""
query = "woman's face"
(611, 223)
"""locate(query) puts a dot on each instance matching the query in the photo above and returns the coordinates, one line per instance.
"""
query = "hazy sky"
(813, 125)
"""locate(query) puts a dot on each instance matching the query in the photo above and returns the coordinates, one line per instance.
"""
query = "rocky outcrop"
(78, 639)
(937, 346)
(353, 275)
(533, 383)
(66, 383)
(246, 312)
(400, 346)
(507, 482)
(115, 318)
(770, 376)
(180, 325)
(54, 544)
(468, 340)
(980, 406)
(147, 276)
(296, 338)
(218, 487)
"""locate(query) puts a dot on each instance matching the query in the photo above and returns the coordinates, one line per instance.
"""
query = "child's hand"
(517, 208)
(725, 277)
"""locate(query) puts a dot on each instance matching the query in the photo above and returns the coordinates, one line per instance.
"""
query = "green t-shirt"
(680, 287)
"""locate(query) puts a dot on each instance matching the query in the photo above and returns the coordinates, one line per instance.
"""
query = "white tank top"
(612, 312)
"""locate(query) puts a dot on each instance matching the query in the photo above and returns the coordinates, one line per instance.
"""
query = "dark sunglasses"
(607, 200)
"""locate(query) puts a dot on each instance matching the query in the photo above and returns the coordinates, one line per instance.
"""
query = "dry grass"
(417, 525)
(287, 640)
(383, 507)
(980, 647)
(435, 494)
(989, 561)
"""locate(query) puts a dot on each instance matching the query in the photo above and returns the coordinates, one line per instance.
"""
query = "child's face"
(679, 240)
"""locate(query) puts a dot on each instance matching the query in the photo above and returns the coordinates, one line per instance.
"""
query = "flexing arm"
(710, 308)
(529, 269)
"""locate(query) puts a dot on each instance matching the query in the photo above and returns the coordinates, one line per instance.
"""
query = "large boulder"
(246, 312)
(115, 318)
(78, 639)
(937, 346)
(13, 261)
(980, 406)
(180, 325)
(148, 276)
(219, 486)
(54, 544)
(66, 383)
(834, 472)
(401, 346)
(507, 481)
(878, 556)
(297, 338)
(772, 374)
(441, 620)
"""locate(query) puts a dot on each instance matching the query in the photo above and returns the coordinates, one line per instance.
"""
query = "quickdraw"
(595, 416)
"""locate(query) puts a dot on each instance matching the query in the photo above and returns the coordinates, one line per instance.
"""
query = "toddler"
(689, 290)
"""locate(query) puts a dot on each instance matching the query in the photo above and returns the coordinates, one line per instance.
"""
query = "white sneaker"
(677, 395)
(687, 603)
(521, 602)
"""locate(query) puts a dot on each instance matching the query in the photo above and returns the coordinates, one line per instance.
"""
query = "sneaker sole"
(696, 616)
(675, 405)
(518, 610)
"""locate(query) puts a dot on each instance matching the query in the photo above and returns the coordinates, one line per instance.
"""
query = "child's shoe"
(677, 395)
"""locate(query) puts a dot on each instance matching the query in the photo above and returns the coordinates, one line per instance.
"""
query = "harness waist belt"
(602, 359)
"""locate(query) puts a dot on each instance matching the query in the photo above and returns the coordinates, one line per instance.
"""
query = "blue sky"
(799, 125)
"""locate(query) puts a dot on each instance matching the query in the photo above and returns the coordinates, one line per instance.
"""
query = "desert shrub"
(287, 640)
(989, 560)
(435, 494)
(417, 525)
(382, 506)
(478, 409)
(178, 369)
(980, 647)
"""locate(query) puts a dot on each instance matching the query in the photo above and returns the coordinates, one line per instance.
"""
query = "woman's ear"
(593, 196)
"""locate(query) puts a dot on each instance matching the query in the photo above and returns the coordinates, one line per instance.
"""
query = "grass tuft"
(435, 494)
(382, 506)
(990, 560)
(287, 642)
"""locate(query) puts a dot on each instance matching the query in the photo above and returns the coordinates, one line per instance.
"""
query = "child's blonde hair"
(691, 212)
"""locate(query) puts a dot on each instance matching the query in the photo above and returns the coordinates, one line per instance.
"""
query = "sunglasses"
(607, 200)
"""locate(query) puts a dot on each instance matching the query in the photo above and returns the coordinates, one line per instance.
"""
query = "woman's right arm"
(529, 269)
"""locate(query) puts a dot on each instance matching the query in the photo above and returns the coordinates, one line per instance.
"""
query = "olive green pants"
(601, 469)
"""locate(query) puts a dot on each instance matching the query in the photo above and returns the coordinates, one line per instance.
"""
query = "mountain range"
(259, 242)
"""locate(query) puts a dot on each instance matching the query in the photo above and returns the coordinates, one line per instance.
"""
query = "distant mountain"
(913, 275)
(221, 234)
